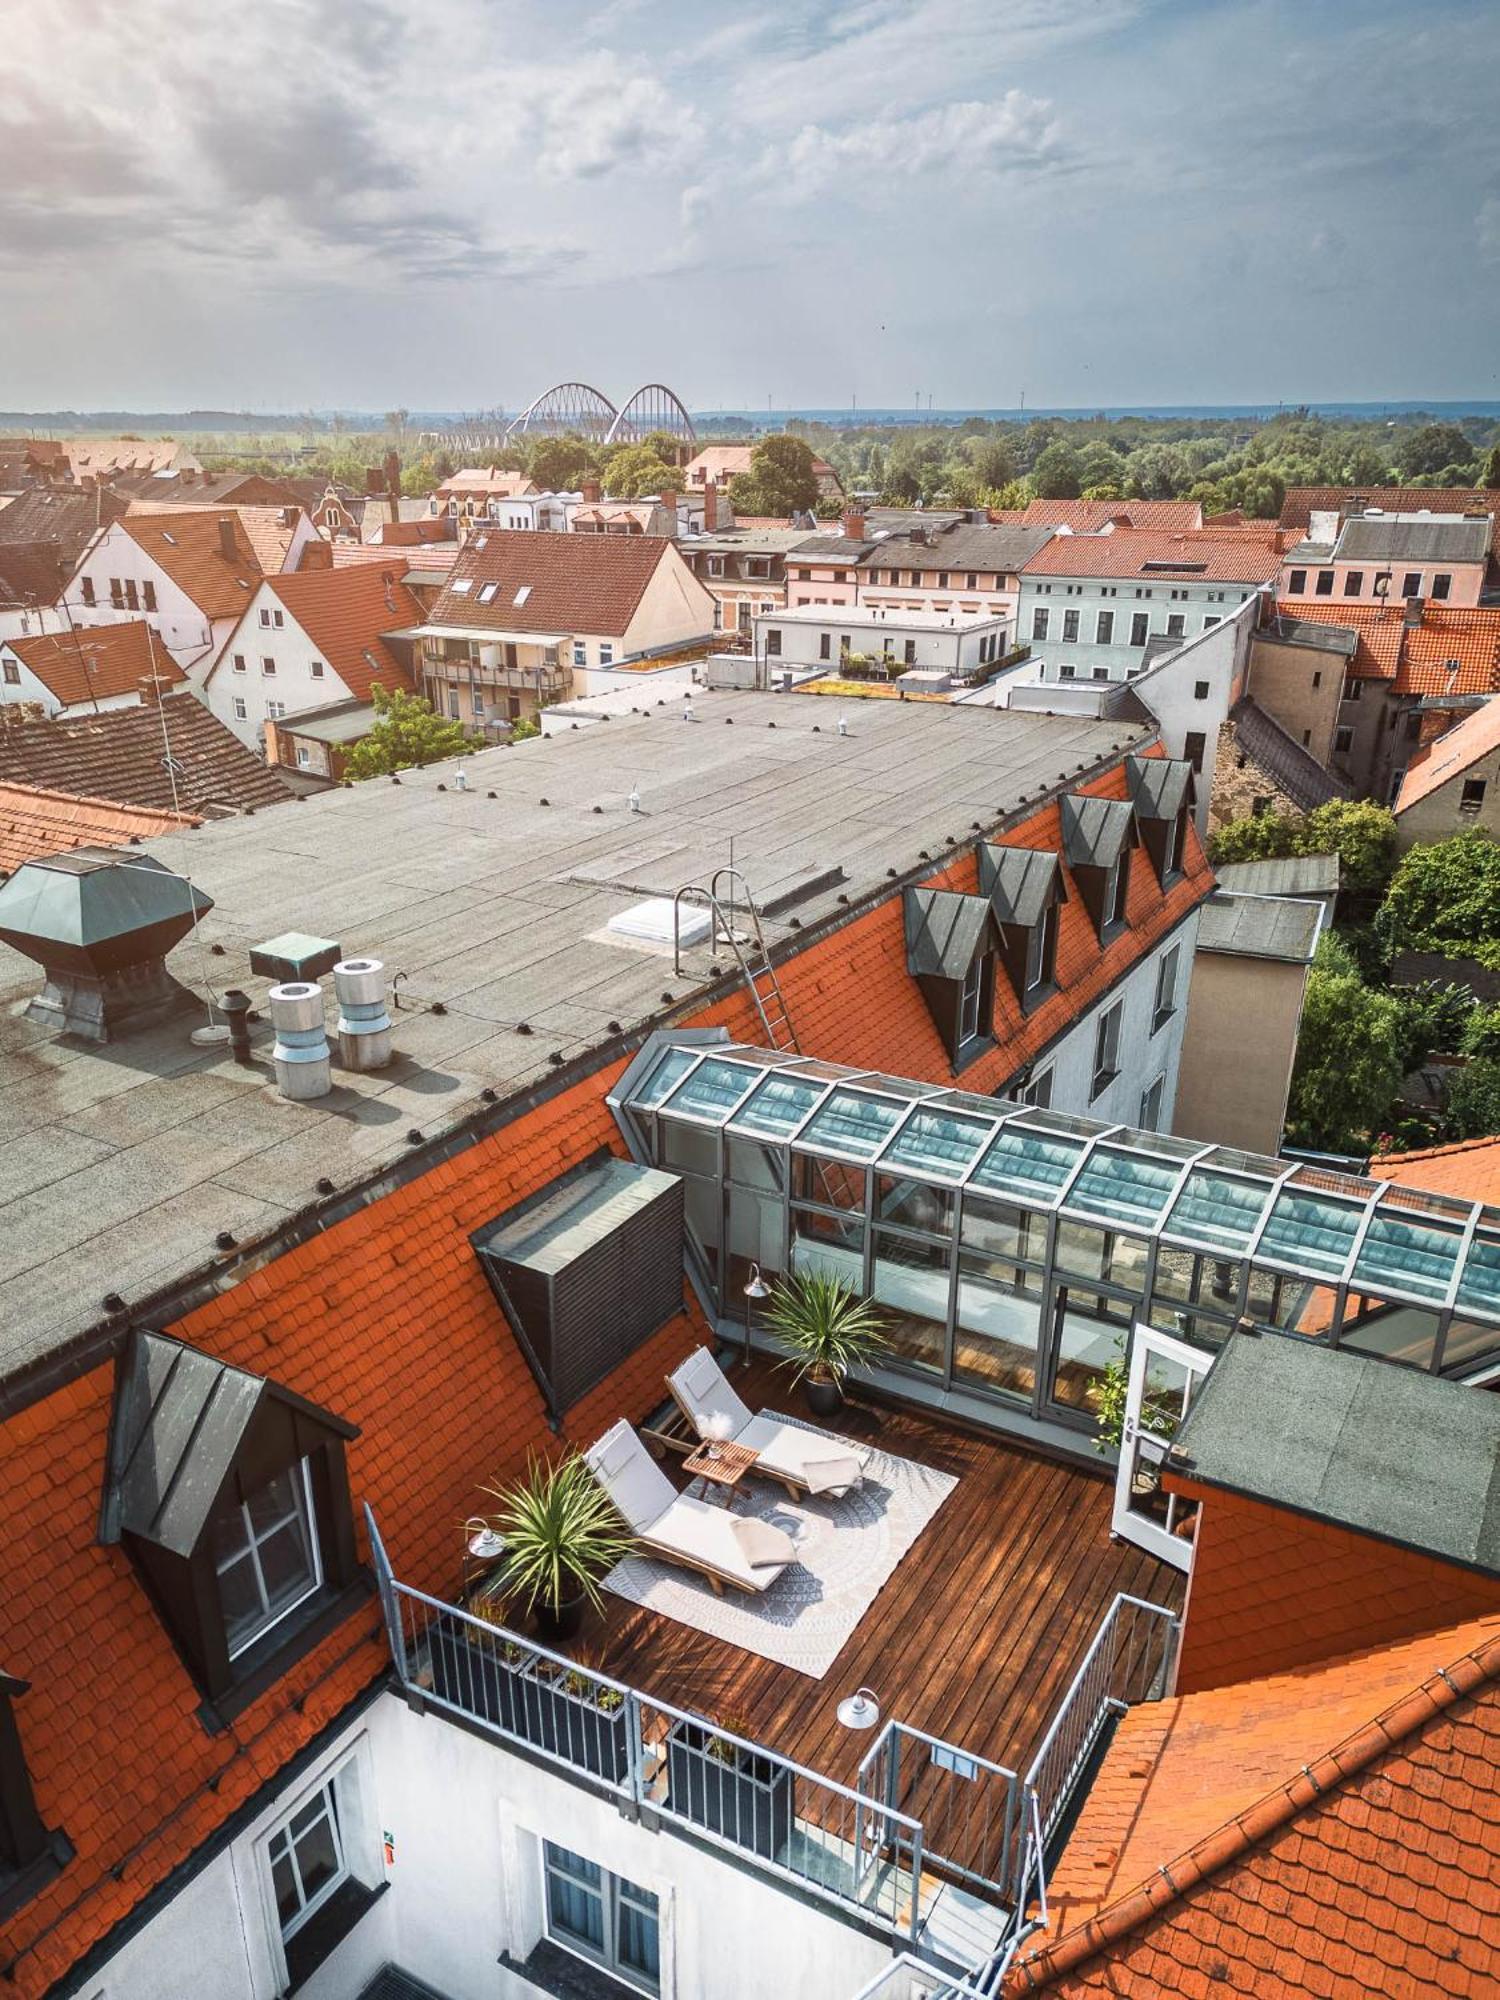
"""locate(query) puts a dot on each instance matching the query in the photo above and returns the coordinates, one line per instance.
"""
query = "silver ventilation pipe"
(300, 1055)
(364, 1024)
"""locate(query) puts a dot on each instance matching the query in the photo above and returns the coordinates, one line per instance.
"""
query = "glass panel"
(638, 1944)
(826, 1243)
(1397, 1333)
(934, 1142)
(852, 1123)
(1024, 1159)
(1199, 1328)
(778, 1106)
(240, 1600)
(1004, 1230)
(284, 1881)
(999, 1325)
(911, 1279)
(754, 1238)
(1468, 1342)
(1127, 1187)
(287, 1563)
(1188, 1276)
(688, 1148)
(913, 1205)
(1272, 1299)
(1217, 1208)
(1101, 1253)
(1167, 1392)
(674, 1065)
(701, 1211)
(1092, 1331)
(829, 1182)
(754, 1166)
(713, 1089)
(1479, 1287)
(1407, 1256)
(1311, 1231)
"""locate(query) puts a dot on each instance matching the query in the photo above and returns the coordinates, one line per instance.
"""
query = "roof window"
(522, 594)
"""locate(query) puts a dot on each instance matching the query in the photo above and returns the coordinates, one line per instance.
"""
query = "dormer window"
(30, 1855)
(1162, 792)
(951, 942)
(1025, 886)
(229, 1494)
(1098, 835)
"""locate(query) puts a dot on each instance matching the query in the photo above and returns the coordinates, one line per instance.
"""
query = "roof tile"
(97, 662)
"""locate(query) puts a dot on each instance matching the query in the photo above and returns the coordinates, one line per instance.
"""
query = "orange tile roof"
(573, 583)
(1415, 658)
(34, 822)
(266, 528)
(1300, 501)
(415, 555)
(1476, 736)
(1197, 558)
(1086, 517)
(1329, 1833)
(188, 547)
(98, 661)
(345, 611)
(1469, 1169)
(488, 480)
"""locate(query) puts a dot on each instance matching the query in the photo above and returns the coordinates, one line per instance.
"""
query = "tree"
(635, 471)
(1473, 1107)
(1360, 833)
(994, 466)
(1489, 471)
(1446, 898)
(405, 732)
(1434, 1018)
(1348, 1066)
(1055, 476)
(1433, 448)
(558, 464)
(781, 479)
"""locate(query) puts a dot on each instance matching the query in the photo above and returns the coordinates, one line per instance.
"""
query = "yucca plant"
(562, 1535)
(827, 1329)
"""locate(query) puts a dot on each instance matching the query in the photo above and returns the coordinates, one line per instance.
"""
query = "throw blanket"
(761, 1543)
(828, 1473)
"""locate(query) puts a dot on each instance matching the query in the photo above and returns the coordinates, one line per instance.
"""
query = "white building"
(945, 643)
(88, 670)
(190, 575)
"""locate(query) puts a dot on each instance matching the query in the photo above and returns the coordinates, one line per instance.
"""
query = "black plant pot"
(571, 1727)
(557, 1623)
(469, 1669)
(749, 1801)
(824, 1399)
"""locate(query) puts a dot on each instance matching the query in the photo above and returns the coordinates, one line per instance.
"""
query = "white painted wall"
(1217, 663)
(954, 649)
(293, 684)
(1156, 603)
(188, 635)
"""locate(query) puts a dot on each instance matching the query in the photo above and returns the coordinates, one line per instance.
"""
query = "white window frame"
(275, 711)
(1104, 628)
(241, 713)
(1106, 1049)
(281, 1846)
(1039, 949)
(1164, 1005)
(316, 669)
(580, 653)
(606, 654)
(610, 1891)
(307, 1509)
(237, 663)
(970, 996)
(1037, 1089)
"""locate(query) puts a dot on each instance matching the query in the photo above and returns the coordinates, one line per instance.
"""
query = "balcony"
(1002, 1648)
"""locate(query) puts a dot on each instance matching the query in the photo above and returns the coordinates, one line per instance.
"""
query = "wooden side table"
(720, 1465)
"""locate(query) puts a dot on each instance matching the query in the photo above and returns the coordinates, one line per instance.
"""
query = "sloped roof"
(1087, 517)
(1198, 558)
(964, 546)
(1470, 1170)
(1159, 786)
(188, 546)
(1289, 767)
(419, 556)
(488, 480)
(1287, 875)
(1095, 831)
(944, 931)
(118, 755)
(1395, 539)
(31, 573)
(97, 661)
(1417, 657)
(35, 822)
(68, 520)
(571, 583)
(345, 611)
(1301, 502)
(94, 455)
(1478, 735)
(1328, 1832)
(1250, 926)
(1022, 883)
(266, 529)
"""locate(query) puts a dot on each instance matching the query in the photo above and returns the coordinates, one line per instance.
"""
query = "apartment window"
(909, 653)
(1214, 619)
(266, 1556)
(240, 714)
(970, 998)
(1200, 690)
(316, 670)
(1317, 679)
(1296, 583)
(773, 642)
(942, 582)
(1116, 882)
(277, 620)
(1354, 582)
(1140, 626)
(1411, 583)
(1165, 1004)
(476, 703)
(12, 673)
(1176, 625)
(1324, 585)
(1070, 626)
(275, 710)
(1442, 584)
(1107, 1049)
(239, 663)
(268, 667)
(1101, 673)
(148, 596)
(1343, 742)
(1067, 671)
(132, 596)
(117, 593)
(580, 653)
(602, 1917)
(1150, 1117)
(86, 586)
(1039, 622)
(453, 709)
(825, 646)
(1354, 689)
(971, 580)
(1104, 628)
(1037, 1091)
(265, 616)
(304, 757)
(1307, 739)
(1041, 955)
(1472, 796)
(606, 654)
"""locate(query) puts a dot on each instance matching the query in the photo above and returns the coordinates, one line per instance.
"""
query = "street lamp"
(755, 1291)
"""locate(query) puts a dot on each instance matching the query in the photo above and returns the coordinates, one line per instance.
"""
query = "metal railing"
(974, 1823)
(794, 1824)
(1129, 1660)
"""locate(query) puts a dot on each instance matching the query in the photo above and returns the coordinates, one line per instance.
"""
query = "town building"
(1371, 557)
(174, 487)
(868, 641)
(190, 575)
(946, 563)
(1097, 517)
(88, 669)
(103, 459)
(314, 638)
(1341, 502)
(717, 464)
(172, 758)
(1092, 605)
(744, 570)
(526, 619)
(477, 493)
(280, 537)
(1451, 783)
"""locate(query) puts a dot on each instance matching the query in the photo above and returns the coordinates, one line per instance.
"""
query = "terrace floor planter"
(748, 1800)
(522, 1696)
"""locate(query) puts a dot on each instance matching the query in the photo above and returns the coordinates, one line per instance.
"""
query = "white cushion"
(704, 1391)
(624, 1468)
(787, 1448)
(707, 1534)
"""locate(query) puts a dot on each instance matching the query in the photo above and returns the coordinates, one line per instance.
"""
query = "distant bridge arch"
(653, 407)
(566, 409)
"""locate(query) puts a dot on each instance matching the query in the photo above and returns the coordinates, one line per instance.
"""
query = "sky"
(290, 204)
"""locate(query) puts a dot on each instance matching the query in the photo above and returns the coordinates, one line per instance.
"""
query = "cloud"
(1014, 134)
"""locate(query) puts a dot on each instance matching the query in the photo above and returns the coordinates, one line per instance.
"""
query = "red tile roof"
(345, 611)
(1415, 658)
(1087, 517)
(1301, 501)
(188, 546)
(32, 573)
(1476, 736)
(266, 529)
(425, 556)
(1470, 1169)
(98, 661)
(1158, 558)
(35, 822)
(1331, 1833)
(118, 755)
(572, 583)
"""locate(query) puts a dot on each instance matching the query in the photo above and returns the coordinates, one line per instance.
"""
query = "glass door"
(1164, 1376)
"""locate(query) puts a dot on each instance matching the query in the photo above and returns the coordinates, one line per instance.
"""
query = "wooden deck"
(974, 1638)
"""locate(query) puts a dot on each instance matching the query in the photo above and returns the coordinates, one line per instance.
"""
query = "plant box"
(748, 1802)
(571, 1726)
(469, 1670)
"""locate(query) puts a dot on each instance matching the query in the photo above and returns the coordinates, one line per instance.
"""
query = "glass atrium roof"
(1371, 1236)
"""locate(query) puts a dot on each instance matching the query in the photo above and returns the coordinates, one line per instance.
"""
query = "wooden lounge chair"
(717, 1544)
(803, 1461)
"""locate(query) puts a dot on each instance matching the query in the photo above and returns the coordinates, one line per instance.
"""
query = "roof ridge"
(1172, 1880)
(1435, 1152)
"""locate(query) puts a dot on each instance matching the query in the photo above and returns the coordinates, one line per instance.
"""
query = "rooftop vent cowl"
(100, 923)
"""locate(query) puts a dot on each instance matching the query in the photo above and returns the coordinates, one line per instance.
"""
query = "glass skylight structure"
(1013, 1248)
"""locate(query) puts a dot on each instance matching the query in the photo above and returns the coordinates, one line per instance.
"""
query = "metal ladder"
(751, 955)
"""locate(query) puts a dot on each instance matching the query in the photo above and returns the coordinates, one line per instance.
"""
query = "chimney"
(1414, 608)
(393, 485)
(710, 506)
(364, 1024)
(854, 523)
(591, 492)
(150, 686)
(300, 1055)
(669, 501)
(228, 548)
(316, 554)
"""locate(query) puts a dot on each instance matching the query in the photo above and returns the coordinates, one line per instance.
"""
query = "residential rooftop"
(1203, 557)
(1245, 925)
(1290, 875)
(489, 908)
(869, 617)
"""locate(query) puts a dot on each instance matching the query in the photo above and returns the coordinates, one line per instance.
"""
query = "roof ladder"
(726, 899)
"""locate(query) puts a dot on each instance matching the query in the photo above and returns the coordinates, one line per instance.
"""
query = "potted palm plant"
(562, 1535)
(827, 1329)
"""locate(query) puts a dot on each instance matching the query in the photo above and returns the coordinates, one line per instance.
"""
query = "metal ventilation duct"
(100, 924)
